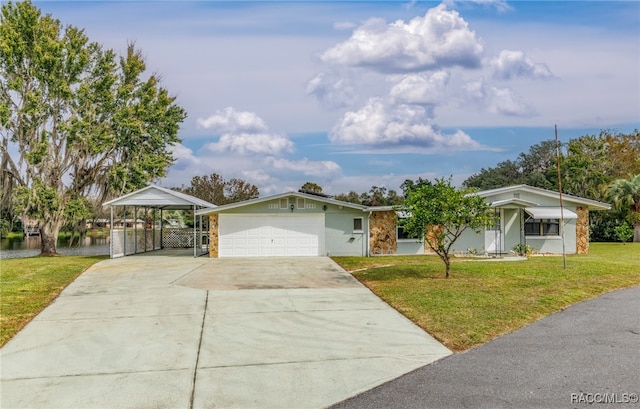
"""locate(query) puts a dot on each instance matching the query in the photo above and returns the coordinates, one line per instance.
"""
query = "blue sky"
(354, 94)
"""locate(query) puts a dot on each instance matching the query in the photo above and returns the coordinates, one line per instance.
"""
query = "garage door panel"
(261, 235)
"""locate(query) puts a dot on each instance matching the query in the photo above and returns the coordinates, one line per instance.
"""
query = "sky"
(351, 95)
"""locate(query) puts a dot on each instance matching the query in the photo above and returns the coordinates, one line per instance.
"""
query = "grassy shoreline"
(28, 285)
(99, 232)
(483, 300)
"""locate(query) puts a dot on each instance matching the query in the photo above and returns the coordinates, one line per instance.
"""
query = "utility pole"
(564, 253)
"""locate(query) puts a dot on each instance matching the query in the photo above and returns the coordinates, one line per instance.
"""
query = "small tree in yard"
(446, 212)
(623, 232)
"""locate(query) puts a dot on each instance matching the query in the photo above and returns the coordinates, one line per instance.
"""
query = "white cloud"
(244, 133)
(252, 143)
(380, 125)
(498, 100)
(185, 159)
(331, 90)
(305, 166)
(441, 38)
(510, 64)
(229, 120)
(257, 176)
(421, 89)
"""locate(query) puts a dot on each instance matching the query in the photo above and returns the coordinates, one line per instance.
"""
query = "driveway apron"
(165, 330)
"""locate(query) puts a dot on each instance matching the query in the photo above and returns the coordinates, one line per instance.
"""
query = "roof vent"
(516, 195)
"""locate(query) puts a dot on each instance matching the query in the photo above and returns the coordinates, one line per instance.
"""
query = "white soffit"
(550, 213)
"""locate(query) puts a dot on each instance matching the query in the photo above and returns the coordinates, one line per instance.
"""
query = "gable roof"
(280, 196)
(591, 204)
(159, 198)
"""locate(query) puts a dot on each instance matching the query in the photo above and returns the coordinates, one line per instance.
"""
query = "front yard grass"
(28, 285)
(484, 299)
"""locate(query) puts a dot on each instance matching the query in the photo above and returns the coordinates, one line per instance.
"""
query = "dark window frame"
(402, 235)
(356, 221)
(542, 227)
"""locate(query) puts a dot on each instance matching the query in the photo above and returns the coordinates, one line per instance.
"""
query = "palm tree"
(625, 194)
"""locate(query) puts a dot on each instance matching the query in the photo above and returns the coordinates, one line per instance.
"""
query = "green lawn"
(28, 285)
(483, 299)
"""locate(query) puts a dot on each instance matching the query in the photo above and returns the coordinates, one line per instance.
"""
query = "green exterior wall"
(340, 239)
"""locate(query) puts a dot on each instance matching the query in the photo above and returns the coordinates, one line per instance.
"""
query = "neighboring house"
(98, 223)
(302, 224)
(117, 223)
(530, 215)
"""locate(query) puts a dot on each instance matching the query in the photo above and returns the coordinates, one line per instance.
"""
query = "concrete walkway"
(164, 330)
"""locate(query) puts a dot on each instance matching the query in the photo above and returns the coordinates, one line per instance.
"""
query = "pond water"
(30, 246)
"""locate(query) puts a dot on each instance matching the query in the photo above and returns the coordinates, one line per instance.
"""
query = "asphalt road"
(587, 356)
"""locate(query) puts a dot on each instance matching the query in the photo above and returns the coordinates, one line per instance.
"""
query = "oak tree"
(215, 189)
(76, 121)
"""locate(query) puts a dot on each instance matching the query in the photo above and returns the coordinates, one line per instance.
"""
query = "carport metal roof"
(160, 198)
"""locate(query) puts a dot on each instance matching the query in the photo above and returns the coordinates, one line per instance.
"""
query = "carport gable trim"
(279, 196)
(183, 202)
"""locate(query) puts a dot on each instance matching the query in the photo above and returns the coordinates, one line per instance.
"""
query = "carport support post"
(135, 229)
(195, 228)
(199, 234)
(146, 211)
(111, 233)
(124, 218)
(153, 230)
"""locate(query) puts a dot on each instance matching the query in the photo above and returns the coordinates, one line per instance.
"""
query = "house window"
(401, 234)
(284, 203)
(273, 205)
(542, 227)
(357, 225)
(300, 203)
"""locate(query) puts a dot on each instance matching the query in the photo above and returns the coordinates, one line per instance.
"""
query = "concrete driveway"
(164, 330)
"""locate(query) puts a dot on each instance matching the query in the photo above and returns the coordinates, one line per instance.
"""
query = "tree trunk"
(636, 233)
(447, 264)
(49, 238)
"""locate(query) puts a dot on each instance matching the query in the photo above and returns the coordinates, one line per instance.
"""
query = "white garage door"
(250, 235)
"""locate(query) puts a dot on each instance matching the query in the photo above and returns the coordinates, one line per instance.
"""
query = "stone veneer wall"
(582, 230)
(429, 236)
(213, 235)
(382, 233)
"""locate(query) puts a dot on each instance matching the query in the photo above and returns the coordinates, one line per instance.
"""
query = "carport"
(139, 225)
